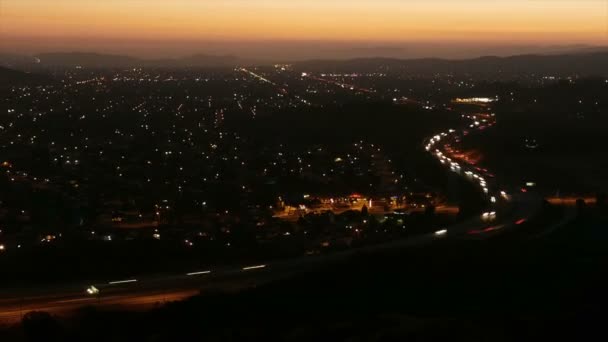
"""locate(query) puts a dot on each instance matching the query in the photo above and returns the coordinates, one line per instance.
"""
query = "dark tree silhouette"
(580, 206)
(601, 199)
(41, 326)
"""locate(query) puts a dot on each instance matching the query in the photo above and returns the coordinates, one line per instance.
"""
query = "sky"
(173, 26)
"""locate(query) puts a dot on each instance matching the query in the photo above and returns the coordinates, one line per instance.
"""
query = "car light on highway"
(493, 199)
(198, 273)
(441, 232)
(488, 215)
(92, 290)
(253, 267)
(123, 281)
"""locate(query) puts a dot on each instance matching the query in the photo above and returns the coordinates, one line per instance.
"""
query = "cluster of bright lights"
(441, 232)
(476, 100)
(92, 290)
(488, 216)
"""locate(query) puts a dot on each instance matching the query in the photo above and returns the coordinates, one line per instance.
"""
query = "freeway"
(144, 293)
(506, 211)
(339, 84)
(13, 310)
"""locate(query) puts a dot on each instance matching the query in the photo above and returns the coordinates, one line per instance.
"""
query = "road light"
(92, 290)
(488, 216)
(253, 267)
(441, 232)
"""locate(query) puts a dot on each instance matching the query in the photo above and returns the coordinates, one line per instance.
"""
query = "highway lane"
(339, 84)
(132, 301)
(148, 292)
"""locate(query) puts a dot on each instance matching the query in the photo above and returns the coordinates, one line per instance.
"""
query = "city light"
(441, 232)
(123, 281)
(92, 290)
(198, 273)
(253, 267)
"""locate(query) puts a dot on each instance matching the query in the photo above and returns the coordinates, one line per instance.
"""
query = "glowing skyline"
(522, 21)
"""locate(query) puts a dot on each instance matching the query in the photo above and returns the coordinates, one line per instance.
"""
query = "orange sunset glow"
(312, 19)
(66, 22)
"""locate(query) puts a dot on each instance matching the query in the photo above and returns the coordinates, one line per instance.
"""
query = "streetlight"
(92, 290)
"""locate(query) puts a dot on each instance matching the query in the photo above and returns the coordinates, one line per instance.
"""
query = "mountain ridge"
(91, 59)
(583, 62)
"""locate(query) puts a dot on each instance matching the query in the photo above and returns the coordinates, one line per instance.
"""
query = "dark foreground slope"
(10, 77)
(582, 64)
(509, 288)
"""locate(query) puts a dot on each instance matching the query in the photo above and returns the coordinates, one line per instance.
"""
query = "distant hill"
(205, 60)
(584, 61)
(10, 77)
(15, 61)
(94, 60)
(591, 63)
(87, 60)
